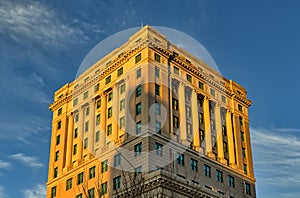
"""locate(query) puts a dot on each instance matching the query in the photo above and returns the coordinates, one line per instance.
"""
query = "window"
(85, 143)
(117, 182)
(213, 141)
(104, 188)
(175, 122)
(97, 136)
(76, 117)
(157, 90)
(244, 152)
(86, 95)
(187, 95)
(55, 172)
(53, 192)
(189, 78)
(157, 57)
(138, 108)
(138, 170)
(157, 109)
(180, 159)
(201, 85)
(109, 129)
(96, 87)
(175, 87)
(98, 105)
(104, 166)
(122, 122)
(56, 155)
(157, 72)
(201, 118)
(138, 127)
(58, 140)
(138, 58)
(138, 73)
(59, 111)
(79, 196)
(188, 111)
(138, 149)
(212, 92)
(69, 184)
(87, 111)
(213, 124)
(98, 119)
(245, 169)
(224, 131)
(109, 112)
(194, 164)
(231, 181)
(75, 149)
(242, 136)
(219, 176)
(223, 99)
(110, 96)
(188, 128)
(158, 148)
(80, 178)
(158, 127)
(120, 71)
(138, 91)
(240, 108)
(122, 104)
(175, 104)
(176, 70)
(202, 135)
(207, 170)
(92, 172)
(117, 160)
(225, 147)
(86, 126)
(75, 102)
(248, 189)
(91, 193)
(241, 120)
(58, 125)
(122, 88)
(108, 80)
(75, 132)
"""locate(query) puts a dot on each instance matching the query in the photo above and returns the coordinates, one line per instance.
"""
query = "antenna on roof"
(142, 25)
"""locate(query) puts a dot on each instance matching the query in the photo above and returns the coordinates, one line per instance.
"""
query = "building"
(150, 120)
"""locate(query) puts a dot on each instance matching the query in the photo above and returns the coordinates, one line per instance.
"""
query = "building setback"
(150, 120)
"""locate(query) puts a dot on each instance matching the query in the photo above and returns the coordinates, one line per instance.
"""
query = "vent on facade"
(108, 63)
(200, 69)
(188, 61)
(211, 76)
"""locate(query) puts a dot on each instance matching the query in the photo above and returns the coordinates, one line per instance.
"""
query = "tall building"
(150, 120)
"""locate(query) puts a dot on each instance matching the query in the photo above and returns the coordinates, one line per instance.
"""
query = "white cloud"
(4, 165)
(27, 160)
(2, 192)
(35, 21)
(38, 191)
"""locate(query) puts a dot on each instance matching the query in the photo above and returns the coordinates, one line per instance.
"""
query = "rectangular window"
(98, 119)
(189, 78)
(75, 102)
(138, 58)
(158, 148)
(187, 95)
(158, 127)
(212, 92)
(242, 136)
(80, 178)
(201, 85)
(244, 152)
(79, 196)
(108, 80)
(75, 132)
(207, 170)
(122, 104)
(91, 193)
(194, 164)
(231, 181)
(175, 88)
(97, 136)
(117, 160)
(188, 128)
(75, 149)
(224, 131)
(138, 170)
(240, 108)
(53, 192)
(201, 118)
(248, 189)
(175, 104)
(138, 108)
(87, 111)
(202, 135)
(245, 169)
(76, 117)
(122, 122)
(180, 159)
(109, 129)
(58, 140)
(85, 143)
(104, 188)
(59, 111)
(92, 172)
(122, 88)
(55, 172)
(175, 122)
(86, 95)
(58, 125)
(157, 57)
(104, 166)
(109, 112)
(157, 90)
(98, 105)
(157, 109)
(176, 70)
(188, 111)
(120, 71)
(56, 155)
(138, 91)
(117, 182)
(138, 127)
(110, 96)
(157, 72)
(223, 99)
(219, 176)
(138, 73)
(225, 147)
(96, 87)
(138, 149)
(86, 126)
(69, 184)
(241, 120)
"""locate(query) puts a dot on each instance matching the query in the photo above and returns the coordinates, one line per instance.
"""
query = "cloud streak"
(29, 161)
(38, 191)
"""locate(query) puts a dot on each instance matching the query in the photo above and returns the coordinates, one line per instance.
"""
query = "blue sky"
(42, 44)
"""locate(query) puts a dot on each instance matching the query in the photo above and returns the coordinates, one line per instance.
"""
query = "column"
(115, 119)
(103, 120)
(69, 152)
(182, 119)
(92, 126)
(195, 119)
(208, 146)
(219, 133)
(80, 133)
(230, 135)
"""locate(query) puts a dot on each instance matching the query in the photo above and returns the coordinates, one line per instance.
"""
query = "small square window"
(122, 104)
(53, 192)
(158, 148)
(76, 117)
(98, 119)
(55, 172)
(188, 128)
(157, 90)
(56, 155)
(69, 184)
(188, 111)
(104, 188)
(86, 95)
(122, 122)
(91, 193)
(109, 129)
(189, 78)
(117, 160)
(117, 182)
(180, 159)
(240, 107)
(207, 172)
(138, 127)
(59, 111)
(138, 73)
(75, 132)
(86, 126)
(157, 57)
(96, 87)
(231, 182)
(157, 72)
(110, 96)
(158, 127)
(109, 112)
(122, 88)
(58, 140)
(85, 143)
(108, 80)
(201, 85)
(59, 125)
(98, 104)
(138, 91)
(87, 111)
(223, 99)
(212, 92)
(92, 172)
(75, 149)
(175, 103)
(104, 166)
(176, 70)
(202, 135)
(219, 176)
(138, 108)
(138, 149)
(175, 122)
(80, 178)
(194, 164)
(75, 102)
(138, 58)
(120, 71)
(97, 136)
(245, 169)
(248, 189)
(138, 170)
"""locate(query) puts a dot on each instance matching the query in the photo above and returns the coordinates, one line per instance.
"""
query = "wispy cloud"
(276, 157)
(37, 22)
(27, 160)
(4, 165)
(2, 192)
(38, 191)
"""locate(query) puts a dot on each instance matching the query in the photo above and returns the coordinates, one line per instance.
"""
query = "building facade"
(150, 120)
